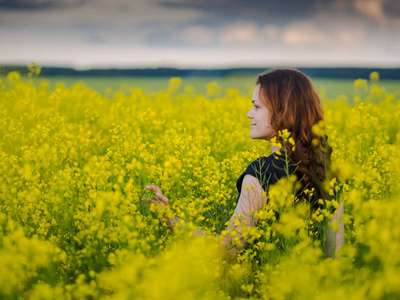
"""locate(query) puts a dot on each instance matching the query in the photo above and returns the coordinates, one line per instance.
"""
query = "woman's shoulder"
(269, 163)
(267, 169)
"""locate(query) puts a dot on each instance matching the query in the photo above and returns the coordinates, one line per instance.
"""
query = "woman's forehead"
(256, 93)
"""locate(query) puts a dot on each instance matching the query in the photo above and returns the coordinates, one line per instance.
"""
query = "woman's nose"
(249, 115)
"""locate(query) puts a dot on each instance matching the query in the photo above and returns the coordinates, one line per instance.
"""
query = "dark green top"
(268, 170)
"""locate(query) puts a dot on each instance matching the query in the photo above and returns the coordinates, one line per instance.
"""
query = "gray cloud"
(282, 12)
(179, 31)
(257, 11)
(32, 5)
(392, 9)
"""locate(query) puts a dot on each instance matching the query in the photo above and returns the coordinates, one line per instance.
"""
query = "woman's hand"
(161, 199)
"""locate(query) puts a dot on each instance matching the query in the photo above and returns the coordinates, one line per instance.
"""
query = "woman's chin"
(253, 136)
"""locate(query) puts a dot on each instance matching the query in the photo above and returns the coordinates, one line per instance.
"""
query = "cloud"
(247, 33)
(198, 35)
(383, 12)
(270, 31)
(240, 33)
(329, 32)
(304, 33)
(121, 22)
(253, 32)
(221, 12)
(38, 4)
(235, 34)
(370, 8)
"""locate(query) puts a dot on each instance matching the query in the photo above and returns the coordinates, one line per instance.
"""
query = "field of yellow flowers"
(74, 163)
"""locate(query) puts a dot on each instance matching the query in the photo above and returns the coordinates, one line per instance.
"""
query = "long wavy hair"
(294, 105)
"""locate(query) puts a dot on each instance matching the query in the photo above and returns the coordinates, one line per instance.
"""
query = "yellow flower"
(374, 76)
(284, 134)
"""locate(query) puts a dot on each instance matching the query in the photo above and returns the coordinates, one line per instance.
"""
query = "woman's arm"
(335, 239)
(250, 200)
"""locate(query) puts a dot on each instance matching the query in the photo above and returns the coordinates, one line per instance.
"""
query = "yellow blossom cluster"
(74, 163)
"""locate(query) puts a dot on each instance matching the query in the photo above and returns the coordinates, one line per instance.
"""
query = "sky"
(86, 34)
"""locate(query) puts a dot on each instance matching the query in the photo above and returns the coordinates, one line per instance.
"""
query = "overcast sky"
(201, 34)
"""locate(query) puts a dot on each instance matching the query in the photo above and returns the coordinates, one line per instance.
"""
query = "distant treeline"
(345, 73)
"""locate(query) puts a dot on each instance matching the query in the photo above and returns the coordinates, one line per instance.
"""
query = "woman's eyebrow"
(254, 101)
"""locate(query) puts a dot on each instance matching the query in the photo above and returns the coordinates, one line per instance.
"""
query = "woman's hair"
(294, 105)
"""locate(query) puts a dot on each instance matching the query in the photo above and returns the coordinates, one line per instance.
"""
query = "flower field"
(74, 163)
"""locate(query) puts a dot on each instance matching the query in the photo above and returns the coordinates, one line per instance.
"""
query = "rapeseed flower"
(73, 164)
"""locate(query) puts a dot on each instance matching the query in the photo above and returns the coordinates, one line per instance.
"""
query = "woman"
(283, 99)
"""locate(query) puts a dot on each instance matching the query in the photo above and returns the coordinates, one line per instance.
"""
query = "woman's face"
(260, 118)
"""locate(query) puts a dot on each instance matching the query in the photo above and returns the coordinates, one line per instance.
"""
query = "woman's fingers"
(154, 188)
(151, 187)
(163, 198)
(158, 193)
(148, 200)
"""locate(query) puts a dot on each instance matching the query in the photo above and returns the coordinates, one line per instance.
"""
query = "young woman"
(282, 99)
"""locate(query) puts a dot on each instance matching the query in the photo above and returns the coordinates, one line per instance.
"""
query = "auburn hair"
(294, 105)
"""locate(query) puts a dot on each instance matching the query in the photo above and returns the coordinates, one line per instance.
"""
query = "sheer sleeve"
(268, 170)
